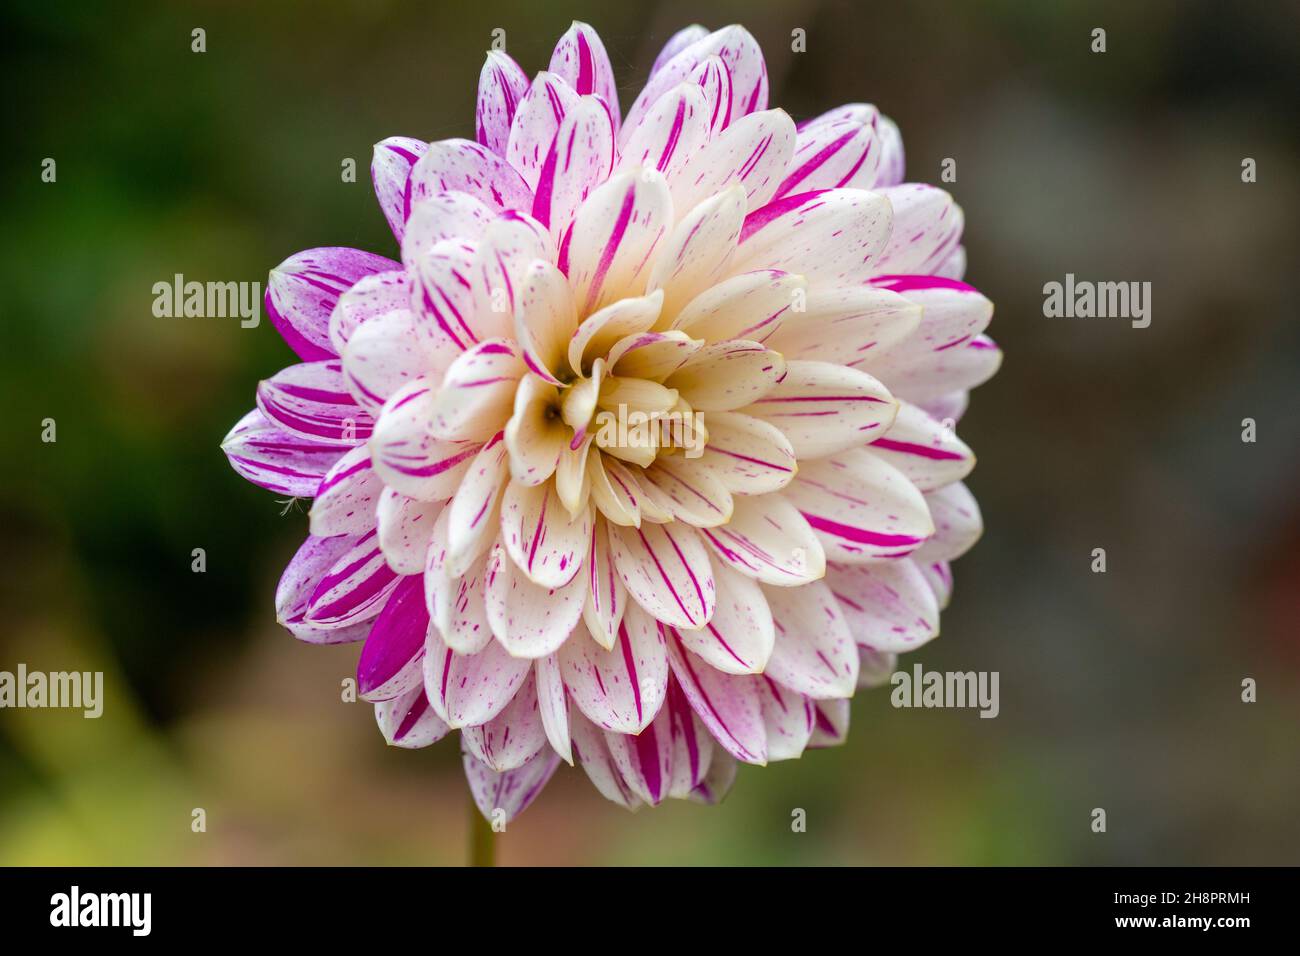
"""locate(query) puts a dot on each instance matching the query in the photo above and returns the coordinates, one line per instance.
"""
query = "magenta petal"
(355, 588)
(312, 401)
(303, 290)
(390, 169)
(409, 721)
(390, 662)
(301, 576)
(502, 83)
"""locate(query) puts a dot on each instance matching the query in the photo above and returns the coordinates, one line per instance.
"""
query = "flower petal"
(697, 249)
(814, 652)
(448, 217)
(502, 255)
(536, 121)
(727, 375)
(408, 721)
(591, 748)
(838, 153)
(390, 169)
(372, 295)
(502, 83)
(861, 507)
(354, 589)
(474, 512)
(676, 43)
(313, 561)
(580, 158)
(460, 165)
(545, 320)
(749, 306)
(672, 131)
(651, 356)
(790, 718)
(470, 689)
(892, 162)
(927, 229)
(606, 598)
(753, 152)
(829, 235)
(727, 704)
(823, 408)
(928, 377)
(768, 539)
(739, 637)
(614, 233)
(553, 704)
(666, 570)
(310, 401)
(831, 724)
(477, 394)
(927, 451)
(888, 604)
(846, 325)
(391, 659)
(581, 61)
(687, 490)
(390, 351)
(600, 331)
(510, 792)
(620, 689)
(543, 541)
(749, 456)
(536, 436)
(511, 738)
(275, 459)
(714, 77)
(345, 501)
(957, 524)
(528, 619)
(303, 290)
(405, 529)
(406, 454)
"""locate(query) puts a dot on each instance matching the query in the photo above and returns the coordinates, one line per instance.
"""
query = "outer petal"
(832, 235)
(389, 171)
(862, 508)
(739, 637)
(728, 705)
(293, 594)
(372, 295)
(834, 152)
(927, 230)
(275, 459)
(666, 570)
(832, 724)
(511, 738)
(303, 290)
(501, 85)
(591, 748)
(459, 165)
(924, 449)
(354, 589)
(391, 659)
(892, 162)
(528, 619)
(614, 234)
(814, 653)
(407, 455)
(846, 325)
(623, 688)
(671, 132)
(690, 492)
(789, 717)
(957, 524)
(510, 792)
(310, 401)
(543, 541)
(823, 408)
(468, 690)
(405, 528)
(952, 313)
(676, 43)
(961, 367)
(408, 721)
(536, 122)
(768, 539)
(457, 605)
(581, 61)
(345, 501)
(388, 352)
(714, 77)
(888, 605)
(579, 159)
(553, 704)
(938, 575)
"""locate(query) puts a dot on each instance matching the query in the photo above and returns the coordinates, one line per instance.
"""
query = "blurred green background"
(1119, 691)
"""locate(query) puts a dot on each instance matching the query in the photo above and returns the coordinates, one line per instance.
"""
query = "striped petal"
(888, 604)
(388, 352)
(544, 542)
(925, 450)
(670, 133)
(938, 574)
(714, 77)
(739, 637)
(530, 620)
(928, 377)
(606, 599)
(511, 792)
(467, 690)
(823, 408)
(676, 43)
(727, 704)
(769, 540)
(345, 501)
(957, 524)
(275, 459)
(749, 456)
(591, 748)
(391, 661)
(749, 306)
(545, 320)
(831, 724)
(893, 161)
(840, 153)
(408, 721)
(580, 158)
(310, 400)
(788, 716)
(620, 689)
(474, 512)
(666, 570)
(614, 233)
(511, 738)
(652, 356)
(314, 559)
(553, 705)
(814, 652)
(448, 217)
(952, 313)
(502, 83)
(390, 169)
(727, 375)
(580, 60)
(463, 166)
(861, 508)
(846, 325)
(373, 295)
(927, 229)
(354, 589)
(697, 249)
(600, 331)
(536, 121)
(406, 454)
(831, 235)
(688, 491)
(753, 152)
(478, 392)
(500, 261)
(303, 290)
(457, 605)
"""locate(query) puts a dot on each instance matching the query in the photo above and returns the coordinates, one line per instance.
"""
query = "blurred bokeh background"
(1119, 690)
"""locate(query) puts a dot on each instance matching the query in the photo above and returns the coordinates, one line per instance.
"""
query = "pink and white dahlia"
(523, 559)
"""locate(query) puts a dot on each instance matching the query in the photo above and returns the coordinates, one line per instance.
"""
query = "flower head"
(642, 456)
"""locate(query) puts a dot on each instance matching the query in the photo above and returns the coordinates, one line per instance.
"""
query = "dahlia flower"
(522, 564)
